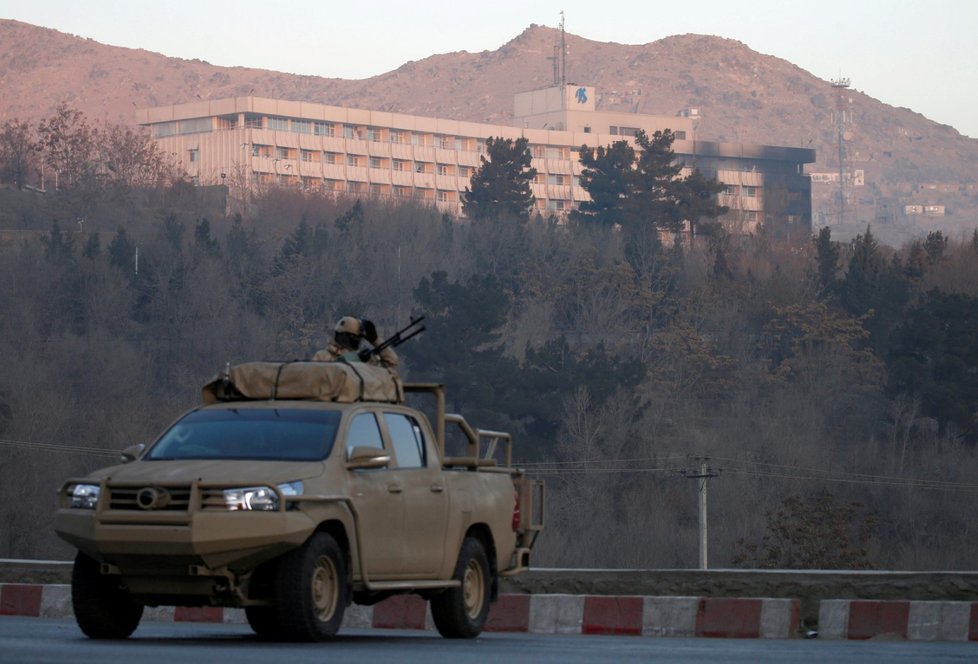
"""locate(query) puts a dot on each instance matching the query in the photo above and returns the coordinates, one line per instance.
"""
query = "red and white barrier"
(913, 620)
(723, 617)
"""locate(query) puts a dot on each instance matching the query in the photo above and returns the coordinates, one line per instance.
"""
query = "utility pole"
(703, 475)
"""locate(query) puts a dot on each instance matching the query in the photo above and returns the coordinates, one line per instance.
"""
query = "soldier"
(347, 335)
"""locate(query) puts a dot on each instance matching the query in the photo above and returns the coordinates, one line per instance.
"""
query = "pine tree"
(500, 187)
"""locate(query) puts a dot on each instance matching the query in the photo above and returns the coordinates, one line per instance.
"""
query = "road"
(59, 640)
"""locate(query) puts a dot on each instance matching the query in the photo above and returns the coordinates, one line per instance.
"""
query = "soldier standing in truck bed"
(348, 333)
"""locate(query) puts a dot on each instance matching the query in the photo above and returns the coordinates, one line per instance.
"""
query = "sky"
(910, 53)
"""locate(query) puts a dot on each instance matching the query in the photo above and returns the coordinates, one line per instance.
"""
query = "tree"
(813, 533)
(640, 189)
(18, 152)
(69, 145)
(501, 185)
(607, 178)
(827, 261)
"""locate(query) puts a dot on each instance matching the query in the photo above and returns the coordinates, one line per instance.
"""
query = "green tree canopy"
(637, 188)
(501, 185)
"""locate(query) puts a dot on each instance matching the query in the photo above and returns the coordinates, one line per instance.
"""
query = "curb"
(543, 614)
(626, 615)
(912, 620)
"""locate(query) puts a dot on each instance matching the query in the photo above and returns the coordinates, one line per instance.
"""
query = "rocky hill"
(741, 94)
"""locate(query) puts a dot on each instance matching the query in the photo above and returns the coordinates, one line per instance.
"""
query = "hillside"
(742, 95)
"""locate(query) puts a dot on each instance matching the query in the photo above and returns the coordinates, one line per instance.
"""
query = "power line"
(52, 447)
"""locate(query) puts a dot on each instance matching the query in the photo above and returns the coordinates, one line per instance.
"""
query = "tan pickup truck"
(297, 489)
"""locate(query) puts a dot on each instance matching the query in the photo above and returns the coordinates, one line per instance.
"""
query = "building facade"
(249, 143)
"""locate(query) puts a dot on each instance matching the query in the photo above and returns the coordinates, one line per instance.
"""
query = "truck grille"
(170, 499)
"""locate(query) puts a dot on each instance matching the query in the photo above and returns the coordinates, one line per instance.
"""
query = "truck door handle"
(437, 488)
(394, 488)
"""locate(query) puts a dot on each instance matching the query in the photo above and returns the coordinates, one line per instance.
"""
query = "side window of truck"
(364, 432)
(407, 439)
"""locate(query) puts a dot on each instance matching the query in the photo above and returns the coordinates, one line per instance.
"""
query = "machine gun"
(394, 340)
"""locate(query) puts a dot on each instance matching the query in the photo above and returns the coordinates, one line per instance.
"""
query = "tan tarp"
(320, 381)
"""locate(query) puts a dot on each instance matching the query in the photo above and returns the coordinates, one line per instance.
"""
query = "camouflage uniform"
(387, 358)
(347, 336)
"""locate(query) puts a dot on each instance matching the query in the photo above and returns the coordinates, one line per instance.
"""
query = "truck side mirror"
(367, 457)
(132, 452)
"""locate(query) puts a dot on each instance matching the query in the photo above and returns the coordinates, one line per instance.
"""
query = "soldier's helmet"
(347, 332)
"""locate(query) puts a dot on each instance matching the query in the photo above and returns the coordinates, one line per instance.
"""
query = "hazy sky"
(914, 53)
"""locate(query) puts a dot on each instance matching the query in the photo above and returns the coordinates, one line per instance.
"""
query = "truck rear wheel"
(263, 621)
(311, 590)
(461, 613)
(102, 609)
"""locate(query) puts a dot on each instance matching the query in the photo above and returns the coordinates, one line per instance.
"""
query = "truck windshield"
(280, 434)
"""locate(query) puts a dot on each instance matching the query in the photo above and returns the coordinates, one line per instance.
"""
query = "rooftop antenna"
(843, 116)
(560, 56)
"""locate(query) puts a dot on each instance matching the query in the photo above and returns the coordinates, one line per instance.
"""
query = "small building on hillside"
(249, 143)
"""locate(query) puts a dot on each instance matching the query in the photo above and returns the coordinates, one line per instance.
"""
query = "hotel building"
(249, 143)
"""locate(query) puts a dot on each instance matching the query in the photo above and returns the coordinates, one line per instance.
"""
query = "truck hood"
(236, 472)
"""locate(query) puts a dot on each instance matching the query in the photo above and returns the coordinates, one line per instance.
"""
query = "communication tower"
(843, 118)
(560, 56)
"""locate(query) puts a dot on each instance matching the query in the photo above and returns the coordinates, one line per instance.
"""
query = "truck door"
(425, 496)
(377, 495)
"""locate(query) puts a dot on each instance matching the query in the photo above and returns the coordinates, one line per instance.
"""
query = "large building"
(249, 143)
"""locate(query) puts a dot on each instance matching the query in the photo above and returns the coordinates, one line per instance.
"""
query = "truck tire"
(263, 621)
(102, 609)
(311, 590)
(461, 613)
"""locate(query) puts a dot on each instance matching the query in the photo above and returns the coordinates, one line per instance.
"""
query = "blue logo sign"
(581, 95)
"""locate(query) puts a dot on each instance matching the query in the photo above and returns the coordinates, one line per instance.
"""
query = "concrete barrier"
(911, 620)
(920, 606)
(544, 614)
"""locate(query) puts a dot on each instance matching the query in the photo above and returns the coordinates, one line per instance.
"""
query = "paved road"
(49, 640)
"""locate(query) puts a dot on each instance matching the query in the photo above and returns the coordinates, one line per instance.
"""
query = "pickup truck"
(296, 489)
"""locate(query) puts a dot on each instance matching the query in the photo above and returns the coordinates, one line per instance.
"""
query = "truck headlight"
(252, 498)
(84, 496)
(292, 488)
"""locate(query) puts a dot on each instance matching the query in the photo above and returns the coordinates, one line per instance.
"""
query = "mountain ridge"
(743, 96)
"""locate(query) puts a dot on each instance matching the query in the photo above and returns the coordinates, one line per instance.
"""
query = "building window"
(731, 190)
(373, 134)
(396, 136)
(443, 169)
(301, 127)
(349, 131)
(680, 135)
(194, 154)
(283, 153)
(308, 155)
(376, 162)
(323, 128)
(330, 157)
(164, 129)
(554, 153)
(587, 129)
(195, 126)
(556, 205)
(278, 124)
(419, 167)
(354, 187)
(402, 192)
(554, 178)
(400, 165)
(352, 160)
(465, 171)
(259, 150)
(537, 151)
(750, 192)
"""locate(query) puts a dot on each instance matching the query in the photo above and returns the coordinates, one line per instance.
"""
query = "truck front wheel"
(461, 613)
(311, 590)
(102, 609)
